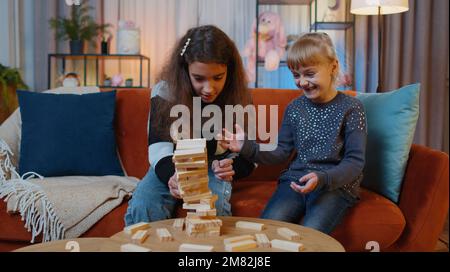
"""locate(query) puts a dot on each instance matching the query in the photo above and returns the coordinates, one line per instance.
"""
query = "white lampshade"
(370, 7)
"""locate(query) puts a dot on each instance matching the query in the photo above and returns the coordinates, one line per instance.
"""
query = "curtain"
(415, 49)
(163, 22)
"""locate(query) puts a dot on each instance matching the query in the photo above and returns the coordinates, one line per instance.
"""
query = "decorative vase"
(76, 47)
(128, 38)
(107, 83)
(105, 49)
(129, 82)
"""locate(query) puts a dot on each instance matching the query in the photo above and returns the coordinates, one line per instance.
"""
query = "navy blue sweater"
(329, 139)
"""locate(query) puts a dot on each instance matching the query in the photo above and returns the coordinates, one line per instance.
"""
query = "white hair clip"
(185, 46)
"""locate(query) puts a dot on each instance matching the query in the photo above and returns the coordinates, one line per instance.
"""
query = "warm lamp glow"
(371, 7)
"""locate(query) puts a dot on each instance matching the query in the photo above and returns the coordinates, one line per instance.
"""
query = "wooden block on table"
(133, 248)
(250, 225)
(287, 245)
(288, 234)
(195, 248)
(238, 238)
(178, 224)
(140, 236)
(262, 240)
(241, 246)
(130, 230)
(164, 235)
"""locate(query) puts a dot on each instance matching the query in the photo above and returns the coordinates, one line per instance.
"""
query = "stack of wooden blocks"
(191, 164)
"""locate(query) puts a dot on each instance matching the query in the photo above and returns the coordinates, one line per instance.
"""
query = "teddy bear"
(271, 43)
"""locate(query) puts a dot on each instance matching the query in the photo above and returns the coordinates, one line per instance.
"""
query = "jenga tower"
(191, 164)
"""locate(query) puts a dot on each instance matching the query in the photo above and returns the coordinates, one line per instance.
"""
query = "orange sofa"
(412, 225)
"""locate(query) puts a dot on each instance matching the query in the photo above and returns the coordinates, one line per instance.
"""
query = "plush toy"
(271, 43)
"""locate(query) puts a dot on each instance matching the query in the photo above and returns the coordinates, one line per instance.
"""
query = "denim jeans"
(152, 201)
(323, 210)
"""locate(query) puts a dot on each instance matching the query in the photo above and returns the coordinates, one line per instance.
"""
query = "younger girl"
(327, 129)
(205, 63)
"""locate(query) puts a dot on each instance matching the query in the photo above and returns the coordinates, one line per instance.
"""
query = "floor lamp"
(379, 8)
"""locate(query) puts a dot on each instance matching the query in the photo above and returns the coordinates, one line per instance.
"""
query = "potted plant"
(79, 28)
(129, 82)
(10, 80)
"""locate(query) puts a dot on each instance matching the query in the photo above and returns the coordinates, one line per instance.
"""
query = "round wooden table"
(312, 240)
(71, 245)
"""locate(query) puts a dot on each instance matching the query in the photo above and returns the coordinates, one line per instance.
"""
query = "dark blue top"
(329, 139)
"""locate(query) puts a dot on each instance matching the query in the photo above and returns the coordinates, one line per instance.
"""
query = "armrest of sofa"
(424, 199)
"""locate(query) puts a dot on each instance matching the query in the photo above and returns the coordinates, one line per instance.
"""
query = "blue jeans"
(323, 210)
(152, 201)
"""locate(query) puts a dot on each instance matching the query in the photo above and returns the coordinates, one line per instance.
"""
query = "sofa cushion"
(249, 198)
(391, 122)
(373, 218)
(132, 111)
(64, 135)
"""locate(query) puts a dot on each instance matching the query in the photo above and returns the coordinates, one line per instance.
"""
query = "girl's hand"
(233, 142)
(310, 180)
(223, 169)
(173, 186)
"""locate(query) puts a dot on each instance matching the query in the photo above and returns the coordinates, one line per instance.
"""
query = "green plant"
(9, 77)
(80, 26)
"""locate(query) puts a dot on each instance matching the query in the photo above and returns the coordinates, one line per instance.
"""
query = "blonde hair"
(311, 49)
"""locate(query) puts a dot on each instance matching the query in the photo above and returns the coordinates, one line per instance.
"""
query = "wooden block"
(195, 248)
(210, 201)
(130, 230)
(196, 207)
(191, 174)
(238, 238)
(287, 245)
(140, 236)
(194, 198)
(262, 240)
(190, 144)
(250, 225)
(133, 248)
(178, 224)
(241, 246)
(288, 234)
(193, 164)
(164, 235)
(193, 192)
(189, 154)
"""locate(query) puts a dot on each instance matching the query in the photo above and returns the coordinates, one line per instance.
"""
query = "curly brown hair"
(207, 44)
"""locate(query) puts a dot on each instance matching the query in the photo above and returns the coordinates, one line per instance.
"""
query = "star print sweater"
(329, 139)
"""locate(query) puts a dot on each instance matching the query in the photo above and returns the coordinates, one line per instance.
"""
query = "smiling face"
(208, 79)
(317, 81)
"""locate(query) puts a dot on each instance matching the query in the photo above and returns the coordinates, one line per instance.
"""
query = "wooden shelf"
(331, 25)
